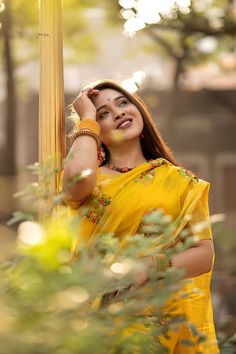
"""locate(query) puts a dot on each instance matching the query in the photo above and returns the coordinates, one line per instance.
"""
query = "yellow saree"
(118, 204)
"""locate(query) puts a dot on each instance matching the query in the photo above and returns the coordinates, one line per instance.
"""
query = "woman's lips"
(125, 124)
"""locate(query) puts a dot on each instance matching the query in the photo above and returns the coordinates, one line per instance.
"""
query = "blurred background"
(180, 56)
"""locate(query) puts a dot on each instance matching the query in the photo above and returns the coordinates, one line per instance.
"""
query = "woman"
(137, 174)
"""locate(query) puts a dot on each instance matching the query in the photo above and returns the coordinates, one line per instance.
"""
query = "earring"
(142, 136)
(101, 156)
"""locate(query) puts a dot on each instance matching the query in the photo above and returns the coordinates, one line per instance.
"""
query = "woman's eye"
(123, 103)
(103, 115)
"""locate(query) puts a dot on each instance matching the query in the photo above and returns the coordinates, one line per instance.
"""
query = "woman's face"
(115, 113)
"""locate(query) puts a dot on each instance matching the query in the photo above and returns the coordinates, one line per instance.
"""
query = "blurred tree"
(187, 31)
(79, 37)
(8, 166)
(19, 45)
(14, 19)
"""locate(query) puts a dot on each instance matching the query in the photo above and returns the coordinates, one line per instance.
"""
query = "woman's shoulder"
(186, 173)
(183, 175)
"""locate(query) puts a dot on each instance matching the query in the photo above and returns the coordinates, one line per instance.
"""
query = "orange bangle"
(83, 132)
(89, 124)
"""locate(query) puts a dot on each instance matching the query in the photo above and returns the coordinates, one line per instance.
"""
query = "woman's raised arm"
(83, 153)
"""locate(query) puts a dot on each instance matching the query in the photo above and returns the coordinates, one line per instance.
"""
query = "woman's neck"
(128, 155)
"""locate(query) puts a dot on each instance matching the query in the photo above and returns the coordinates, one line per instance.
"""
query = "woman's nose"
(119, 114)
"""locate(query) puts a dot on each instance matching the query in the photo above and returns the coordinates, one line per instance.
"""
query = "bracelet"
(170, 262)
(89, 124)
(161, 262)
(88, 132)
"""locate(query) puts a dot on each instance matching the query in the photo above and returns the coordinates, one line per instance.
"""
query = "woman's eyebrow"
(115, 99)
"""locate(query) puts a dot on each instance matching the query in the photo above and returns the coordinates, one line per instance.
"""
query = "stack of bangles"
(87, 127)
(161, 262)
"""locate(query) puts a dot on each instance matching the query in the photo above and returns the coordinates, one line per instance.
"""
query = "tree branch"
(165, 44)
(227, 29)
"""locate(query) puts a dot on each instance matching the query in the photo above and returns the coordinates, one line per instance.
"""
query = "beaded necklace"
(120, 169)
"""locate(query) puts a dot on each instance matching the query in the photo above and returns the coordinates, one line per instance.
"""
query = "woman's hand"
(83, 104)
(141, 277)
(158, 262)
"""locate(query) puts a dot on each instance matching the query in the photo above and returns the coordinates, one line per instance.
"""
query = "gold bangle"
(161, 262)
(170, 261)
(89, 124)
(88, 132)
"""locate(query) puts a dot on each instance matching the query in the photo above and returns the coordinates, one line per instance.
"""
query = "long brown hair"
(152, 143)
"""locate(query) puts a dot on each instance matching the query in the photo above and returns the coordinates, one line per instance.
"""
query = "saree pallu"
(118, 204)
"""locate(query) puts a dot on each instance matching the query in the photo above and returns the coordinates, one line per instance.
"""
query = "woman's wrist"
(87, 127)
(86, 132)
(159, 262)
(88, 116)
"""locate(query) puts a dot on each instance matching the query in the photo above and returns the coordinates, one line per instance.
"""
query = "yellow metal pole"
(51, 94)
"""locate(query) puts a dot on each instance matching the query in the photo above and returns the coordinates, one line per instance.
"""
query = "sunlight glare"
(184, 10)
(133, 25)
(140, 13)
(30, 233)
(139, 76)
(127, 14)
(2, 6)
(127, 4)
(132, 83)
(121, 268)
(164, 7)
(183, 3)
(201, 5)
(86, 173)
(207, 45)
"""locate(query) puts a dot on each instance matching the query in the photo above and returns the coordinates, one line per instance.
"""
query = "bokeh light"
(132, 83)
(2, 6)
(71, 297)
(121, 268)
(207, 44)
(140, 13)
(30, 233)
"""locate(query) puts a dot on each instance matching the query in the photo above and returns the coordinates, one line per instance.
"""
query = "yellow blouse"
(118, 204)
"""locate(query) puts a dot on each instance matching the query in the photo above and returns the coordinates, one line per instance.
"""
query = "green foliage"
(227, 344)
(50, 303)
(46, 298)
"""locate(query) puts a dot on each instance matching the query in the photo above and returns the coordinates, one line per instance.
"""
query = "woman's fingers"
(91, 94)
(83, 104)
(89, 91)
(85, 93)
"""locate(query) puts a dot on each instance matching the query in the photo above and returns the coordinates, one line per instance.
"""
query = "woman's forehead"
(105, 96)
